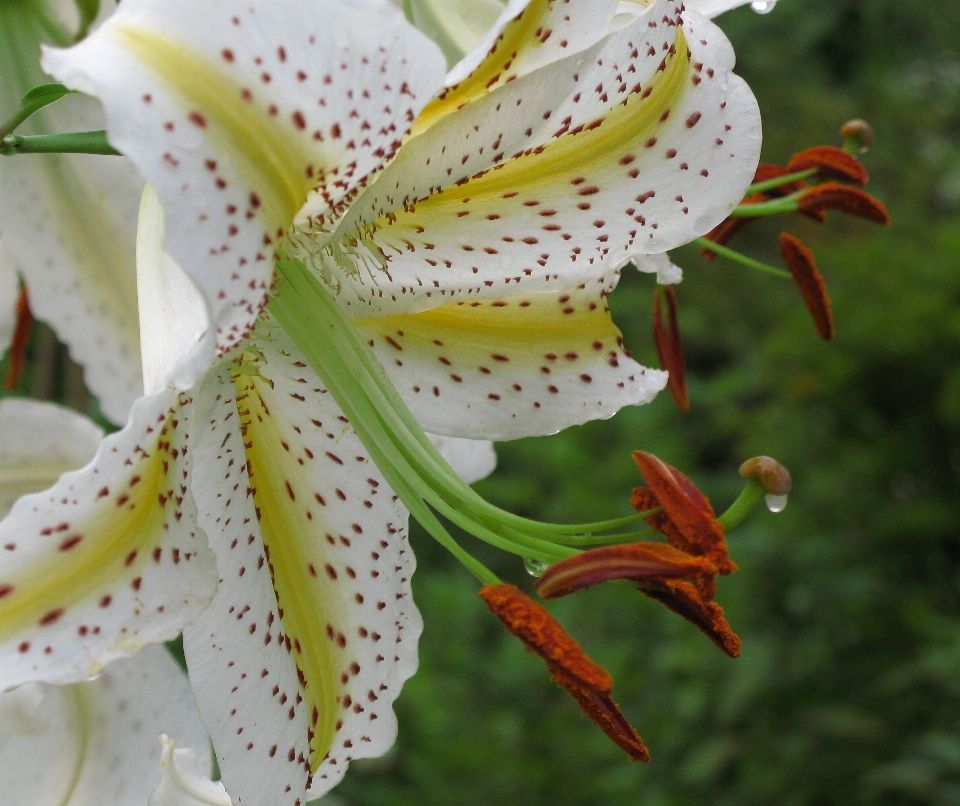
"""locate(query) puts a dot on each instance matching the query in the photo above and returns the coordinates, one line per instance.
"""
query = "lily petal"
(528, 34)
(512, 367)
(176, 341)
(95, 743)
(313, 630)
(457, 26)
(635, 145)
(235, 113)
(183, 784)
(107, 560)
(471, 459)
(38, 443)
(68, 226)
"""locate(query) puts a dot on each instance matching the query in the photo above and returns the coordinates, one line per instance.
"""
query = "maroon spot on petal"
(51, 617)
(197, 119)
(70, 542)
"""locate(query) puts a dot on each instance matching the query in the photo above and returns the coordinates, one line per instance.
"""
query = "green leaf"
(88, 10)
(35, 99)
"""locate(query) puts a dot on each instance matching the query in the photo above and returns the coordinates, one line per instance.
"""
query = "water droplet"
(534, 567)
(776, 503)
(763, 6)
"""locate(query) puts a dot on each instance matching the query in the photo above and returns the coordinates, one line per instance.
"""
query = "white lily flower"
(479, 280)
(90, 743)
(68, 222)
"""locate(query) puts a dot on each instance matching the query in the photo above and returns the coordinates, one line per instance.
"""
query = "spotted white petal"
(628, 9)
(668, 272)
(68, 223)
(527, 35)
(457, 26)
(636, 145)
(298, 659)
(471, 459)
(38, 443)
(95, 743)
(107, 560)
(236, 112)
(183, 784)
(512, 367)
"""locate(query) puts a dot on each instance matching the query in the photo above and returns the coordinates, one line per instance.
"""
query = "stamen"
(831, 196)
(774, 477)
(831, 163)
(670, 347)
(636, 561)
(685, 600)
(857, 136)
(694, 526)
(21, 336)
(543, 634)
(585, 680)
(802, 266)
(722, 234)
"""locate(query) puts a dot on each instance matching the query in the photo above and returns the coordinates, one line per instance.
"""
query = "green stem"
(746, 502)
(73, 143)
(769, 184)
(727, 252)
(786, 204)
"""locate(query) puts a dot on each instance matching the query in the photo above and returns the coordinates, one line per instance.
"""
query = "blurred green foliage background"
(848, 688)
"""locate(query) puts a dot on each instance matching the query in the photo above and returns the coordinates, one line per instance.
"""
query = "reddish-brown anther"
(693, 525)
(637, 561)
(853, 201)
(722, 234)
(802, 266)
(685, 600)
(831, 163)
(570, 666)
(670, 347)
(543, 634)
(21, 335)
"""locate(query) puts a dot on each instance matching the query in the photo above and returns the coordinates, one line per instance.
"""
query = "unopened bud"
(774, 477)
(857, 136)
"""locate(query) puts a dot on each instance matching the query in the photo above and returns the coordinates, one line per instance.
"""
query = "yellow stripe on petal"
(518, 35)
(100, 551)
(265, 156)
(512, 367)
(582, 151)
(307, 595)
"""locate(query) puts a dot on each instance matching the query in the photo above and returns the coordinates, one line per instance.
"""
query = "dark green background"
(848, 689)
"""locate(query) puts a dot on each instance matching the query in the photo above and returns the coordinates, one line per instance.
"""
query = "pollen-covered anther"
(686, 601)
(670, 347)
(853, 201)
(687, 519)
(831, 163)
(586, 681)
(636, 561)
(802, 266)
(774, 477)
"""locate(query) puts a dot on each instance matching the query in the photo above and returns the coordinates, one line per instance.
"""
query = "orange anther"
(636, 561)
(21, 336)
(693, 525)
(670, 347)
(831, 196)
(831, 163)
(543, 634)
(802, 266)
(685, 600)
(571, 668)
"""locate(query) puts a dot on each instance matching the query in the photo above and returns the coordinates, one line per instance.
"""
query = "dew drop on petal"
(534, 567)
(776, 503)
